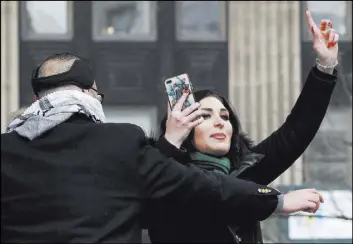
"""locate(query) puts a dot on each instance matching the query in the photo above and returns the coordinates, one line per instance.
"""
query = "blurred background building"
(257, 54)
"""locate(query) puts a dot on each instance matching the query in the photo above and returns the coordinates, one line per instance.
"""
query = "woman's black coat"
(262, 164)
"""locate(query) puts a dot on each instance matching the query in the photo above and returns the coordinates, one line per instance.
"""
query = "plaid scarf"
(54, 109)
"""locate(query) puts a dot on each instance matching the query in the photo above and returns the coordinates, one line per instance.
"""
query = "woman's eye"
(206, 116)
(225, 117)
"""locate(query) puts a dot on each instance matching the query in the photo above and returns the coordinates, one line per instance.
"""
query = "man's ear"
(35, 98)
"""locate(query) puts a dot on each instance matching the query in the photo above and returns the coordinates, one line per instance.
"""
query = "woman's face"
(213, 136)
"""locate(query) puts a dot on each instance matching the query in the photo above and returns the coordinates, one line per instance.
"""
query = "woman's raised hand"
(325, 40)
(180, 123)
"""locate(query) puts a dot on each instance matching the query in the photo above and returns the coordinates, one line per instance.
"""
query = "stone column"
(9, 60)
(264, 68)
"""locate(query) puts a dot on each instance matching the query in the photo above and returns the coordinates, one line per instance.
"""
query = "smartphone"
(175, 88)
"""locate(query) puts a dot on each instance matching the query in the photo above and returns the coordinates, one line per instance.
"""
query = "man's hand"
(180, 123)
(307, 200)
(324, 40)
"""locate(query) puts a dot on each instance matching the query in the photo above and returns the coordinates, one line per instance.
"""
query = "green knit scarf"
(219, 165)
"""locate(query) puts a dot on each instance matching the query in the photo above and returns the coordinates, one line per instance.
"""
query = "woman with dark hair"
(219, 145)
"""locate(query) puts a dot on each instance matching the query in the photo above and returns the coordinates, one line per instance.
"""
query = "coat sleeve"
(170, 151)
(163, 178)
(285, 145)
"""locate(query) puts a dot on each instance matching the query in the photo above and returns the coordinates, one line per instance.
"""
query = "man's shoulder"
(122, 129)
(8, 136)
(125, 136)
(104, 128)
(123, 126)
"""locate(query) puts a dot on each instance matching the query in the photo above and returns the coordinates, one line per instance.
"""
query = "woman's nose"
(219, 122)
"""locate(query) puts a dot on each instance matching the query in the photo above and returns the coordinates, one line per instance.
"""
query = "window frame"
(26, 36)
(203, 38)
(152, 36)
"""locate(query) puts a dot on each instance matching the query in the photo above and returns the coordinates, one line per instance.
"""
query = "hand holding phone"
(180, 123)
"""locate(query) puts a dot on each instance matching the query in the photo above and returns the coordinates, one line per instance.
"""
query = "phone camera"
(169, 81)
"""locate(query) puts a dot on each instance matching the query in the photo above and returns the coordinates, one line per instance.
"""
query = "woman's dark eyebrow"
(210, 109)
(207, 109)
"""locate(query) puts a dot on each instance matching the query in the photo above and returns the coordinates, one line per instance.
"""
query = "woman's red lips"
(219, 136)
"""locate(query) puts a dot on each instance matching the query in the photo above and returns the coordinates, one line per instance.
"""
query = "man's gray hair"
(54, 65)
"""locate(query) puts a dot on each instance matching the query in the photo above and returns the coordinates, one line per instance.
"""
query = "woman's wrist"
(171, 141)
(328, 61)
(169, 150)
(326, 66)
(279, 207)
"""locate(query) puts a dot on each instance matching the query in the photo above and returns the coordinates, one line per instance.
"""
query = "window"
(331, 143)
(46, 20)
(124, 20)
(339, 12)
(201, 20)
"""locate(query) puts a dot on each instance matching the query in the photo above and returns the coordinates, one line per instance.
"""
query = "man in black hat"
(67, 176)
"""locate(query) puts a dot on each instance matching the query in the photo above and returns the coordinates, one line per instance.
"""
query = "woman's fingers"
(324, 24)
(190, 109)
(193, 116)
(334, 40)
(195, 123)
(313, 190)
(312, 26)
(332, 34)
(309, 207)
(179, 105)
(313, 197)
(321, 198)
(329, 34)
(316, 198)
(310, 21)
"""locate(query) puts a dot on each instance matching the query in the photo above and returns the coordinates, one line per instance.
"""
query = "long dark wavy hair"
(240, 143)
